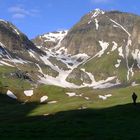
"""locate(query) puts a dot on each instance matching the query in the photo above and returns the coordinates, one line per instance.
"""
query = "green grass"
(102, 67)
(113, 119)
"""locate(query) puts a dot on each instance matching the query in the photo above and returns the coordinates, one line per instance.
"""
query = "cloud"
(19, 12)
(100, 1)
(18, 16)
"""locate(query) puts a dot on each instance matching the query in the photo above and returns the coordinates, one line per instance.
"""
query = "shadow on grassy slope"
(115, 123)
(11, 110)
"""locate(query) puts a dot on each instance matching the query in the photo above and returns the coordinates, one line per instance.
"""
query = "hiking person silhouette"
(134, 97)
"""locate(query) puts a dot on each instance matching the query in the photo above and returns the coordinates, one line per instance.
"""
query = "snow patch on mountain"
(89, 22)
(134, 84)
(19, 61)
(15, 30)
(104, 46)
(104, 97)
(120, 50)
(39, 69)
(54, 36)
(97, 12)
(5, 63)
(118, 63)
(105, 85)
(28, 92)
(136, 56)
(127, 50)
(32, 53)
(1, 20)
(43, 99)
(115, 46)
(58, 81)
(120, 26)
(115, 26)
(97, 24)
(71, 94)
(11, 94)
(52, 102)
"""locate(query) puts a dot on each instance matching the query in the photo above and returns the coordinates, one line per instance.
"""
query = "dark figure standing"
(134, 97)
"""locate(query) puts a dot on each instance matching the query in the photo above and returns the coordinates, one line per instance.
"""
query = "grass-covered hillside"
(72, 118)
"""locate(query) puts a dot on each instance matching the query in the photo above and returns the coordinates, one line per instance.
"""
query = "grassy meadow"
(71, 118)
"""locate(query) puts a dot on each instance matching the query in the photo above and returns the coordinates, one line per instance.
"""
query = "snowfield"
(43, 99)
(71, 94)
(28, 92)
(11, 94)
(104, 97)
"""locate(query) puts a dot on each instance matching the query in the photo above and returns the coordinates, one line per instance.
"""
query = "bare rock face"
(15, 41)
(98, 26)
(136, 34)
(78, 77)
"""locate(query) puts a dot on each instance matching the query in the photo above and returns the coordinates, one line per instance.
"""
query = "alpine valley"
(95, 64)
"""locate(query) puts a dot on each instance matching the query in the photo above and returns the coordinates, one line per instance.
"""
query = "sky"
(36, 17)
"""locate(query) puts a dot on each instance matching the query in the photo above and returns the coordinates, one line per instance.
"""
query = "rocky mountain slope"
(100, 51)
(15, 42)
(21, 60)
(104, 26)
(49, 40)
(110, 39)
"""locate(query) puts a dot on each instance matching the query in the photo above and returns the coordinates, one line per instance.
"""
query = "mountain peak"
(1, 20)
(96, 12)
(9, 26)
